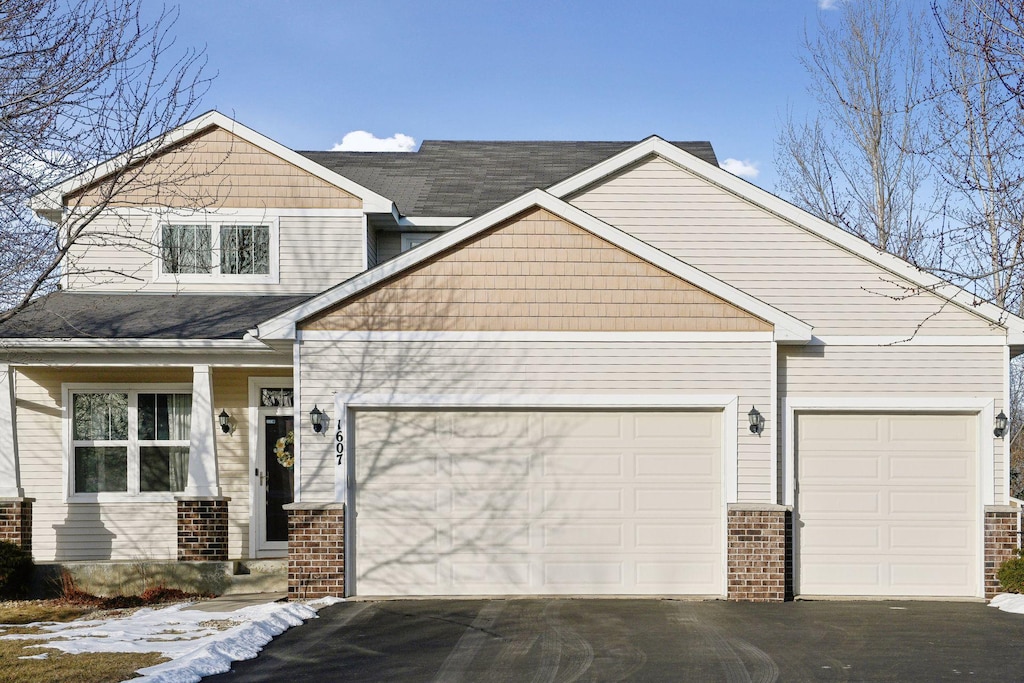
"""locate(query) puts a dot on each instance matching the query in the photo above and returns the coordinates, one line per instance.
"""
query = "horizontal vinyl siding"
(316, 252)
(934, 372)
(754, 250)
(119, 531)
(549, 368)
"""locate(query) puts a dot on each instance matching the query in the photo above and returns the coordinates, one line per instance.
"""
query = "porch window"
(130, 442)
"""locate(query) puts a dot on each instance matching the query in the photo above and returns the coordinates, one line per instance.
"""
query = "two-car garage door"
(538, 502)
(886, 504)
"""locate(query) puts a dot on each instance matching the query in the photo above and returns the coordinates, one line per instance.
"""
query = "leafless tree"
(855, 163)
(81, 82)
(979, 157)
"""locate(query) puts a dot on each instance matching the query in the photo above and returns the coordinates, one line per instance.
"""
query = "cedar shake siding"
(537, 272)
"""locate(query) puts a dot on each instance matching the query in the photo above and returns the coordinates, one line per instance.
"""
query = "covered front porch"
(108, 459)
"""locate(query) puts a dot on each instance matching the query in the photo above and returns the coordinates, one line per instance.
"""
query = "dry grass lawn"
(59, 667)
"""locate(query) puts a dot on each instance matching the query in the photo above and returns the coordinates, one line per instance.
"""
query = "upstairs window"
(241, 252)
(245, 249)
(186, 248)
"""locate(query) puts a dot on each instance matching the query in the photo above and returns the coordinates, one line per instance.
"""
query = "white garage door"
(887, 505)
(489, 503)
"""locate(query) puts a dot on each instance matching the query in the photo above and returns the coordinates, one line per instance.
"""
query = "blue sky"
(307, 73)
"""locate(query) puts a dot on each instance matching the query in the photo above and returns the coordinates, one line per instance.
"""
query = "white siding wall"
(463, 368)
(836, 292)
(316, 252)
(912, 371)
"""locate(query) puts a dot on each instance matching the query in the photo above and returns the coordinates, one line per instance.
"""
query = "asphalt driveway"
(563, 640)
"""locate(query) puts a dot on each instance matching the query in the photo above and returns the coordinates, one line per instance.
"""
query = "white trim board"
(655, 146)
(787, 328)
(576, 337)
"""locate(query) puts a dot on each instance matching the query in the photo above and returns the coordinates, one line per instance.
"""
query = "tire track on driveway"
(560, 642)
(724, 649)
(459, 661)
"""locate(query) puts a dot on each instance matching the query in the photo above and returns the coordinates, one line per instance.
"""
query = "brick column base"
(202, 529)
(316, 550)
(760, 558)
(1001, 542)
(16, 521)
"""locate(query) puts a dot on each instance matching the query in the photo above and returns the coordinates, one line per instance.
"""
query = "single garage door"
(509, 502)
(887, 504)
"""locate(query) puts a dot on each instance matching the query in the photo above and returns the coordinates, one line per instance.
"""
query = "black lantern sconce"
(225, 421)
(316, 418)
(1001, 421)
(756, 421)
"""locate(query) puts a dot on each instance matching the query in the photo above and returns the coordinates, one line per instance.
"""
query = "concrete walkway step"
(230, 603)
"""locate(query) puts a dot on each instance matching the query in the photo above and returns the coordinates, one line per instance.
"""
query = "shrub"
(15, 569)
(1011, 574)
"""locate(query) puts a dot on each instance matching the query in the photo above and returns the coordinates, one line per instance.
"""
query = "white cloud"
(829, 4)
(744, 168)
(361, 141)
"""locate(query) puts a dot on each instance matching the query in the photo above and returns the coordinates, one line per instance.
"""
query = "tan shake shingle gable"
(217, 169)
(536, 272)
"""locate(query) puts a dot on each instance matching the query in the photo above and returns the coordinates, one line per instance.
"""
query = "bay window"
(129, 441)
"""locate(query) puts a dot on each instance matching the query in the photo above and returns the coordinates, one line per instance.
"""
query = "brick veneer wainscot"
(202, 529)
(1001, 542)
(316, 550)
(760, 561)
(16, 521)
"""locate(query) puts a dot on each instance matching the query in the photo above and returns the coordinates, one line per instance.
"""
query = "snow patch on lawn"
(198, 643)
(1009, 602)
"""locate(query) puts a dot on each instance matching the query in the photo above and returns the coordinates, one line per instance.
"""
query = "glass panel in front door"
(280, 470)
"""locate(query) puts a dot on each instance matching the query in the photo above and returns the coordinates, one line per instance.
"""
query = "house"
(502, 368)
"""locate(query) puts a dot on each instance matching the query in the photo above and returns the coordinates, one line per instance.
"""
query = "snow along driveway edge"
(198, 643)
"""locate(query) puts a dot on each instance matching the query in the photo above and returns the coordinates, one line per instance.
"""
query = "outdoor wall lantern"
(316, 418)
(225, 421)
(1000, 424)
(756, 421)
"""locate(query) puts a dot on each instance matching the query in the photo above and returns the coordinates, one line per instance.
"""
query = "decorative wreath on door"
(284, 449)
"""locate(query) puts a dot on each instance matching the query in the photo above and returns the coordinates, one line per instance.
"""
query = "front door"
(274, 475)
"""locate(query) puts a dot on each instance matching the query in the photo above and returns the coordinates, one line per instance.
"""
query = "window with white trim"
(129, 441)
(217, 250)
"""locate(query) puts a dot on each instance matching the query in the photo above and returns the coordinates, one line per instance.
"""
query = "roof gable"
(535, 272)
(217, 168)
(766, 201)
(786, 327)
(51, 200)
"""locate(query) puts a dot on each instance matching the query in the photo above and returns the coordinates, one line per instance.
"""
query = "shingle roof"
(73, 315)
(456, 178)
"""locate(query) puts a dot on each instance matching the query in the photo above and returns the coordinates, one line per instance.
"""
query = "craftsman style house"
(491, 368)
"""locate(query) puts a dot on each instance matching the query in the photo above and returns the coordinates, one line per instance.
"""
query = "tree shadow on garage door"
(447, 498)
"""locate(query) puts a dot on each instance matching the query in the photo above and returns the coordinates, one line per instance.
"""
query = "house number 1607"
(339, 445)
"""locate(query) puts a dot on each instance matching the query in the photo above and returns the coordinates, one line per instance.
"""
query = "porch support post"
(202, 510)
(10, 475)
(202, 454)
